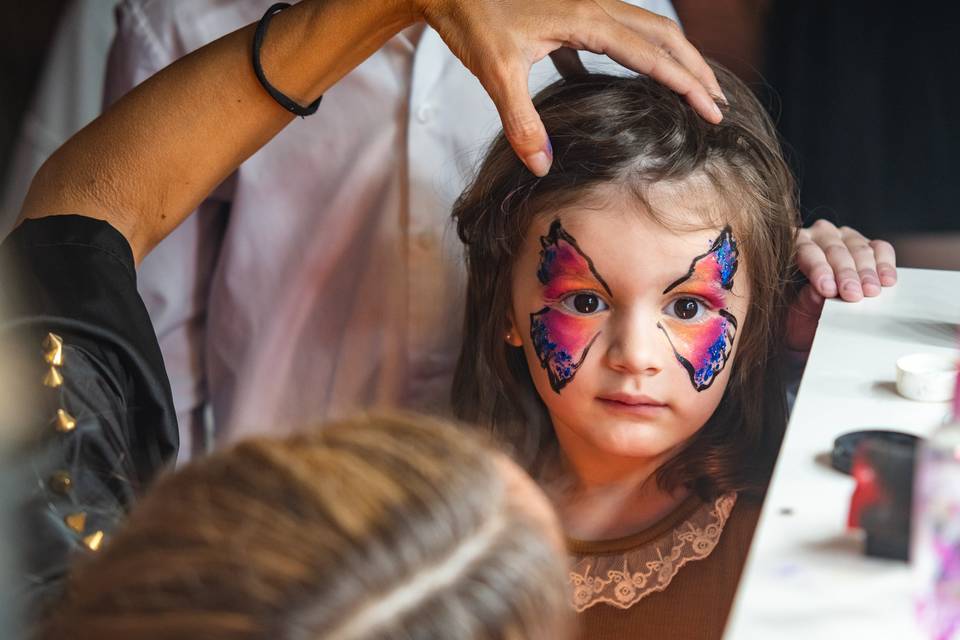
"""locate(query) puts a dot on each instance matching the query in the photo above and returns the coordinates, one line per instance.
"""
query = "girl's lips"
(631, 400)
(637, 406)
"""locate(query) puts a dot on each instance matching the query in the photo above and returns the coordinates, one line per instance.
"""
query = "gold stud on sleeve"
(53, 349)
(76, 521)
(52, 378)
(65, 422)
(94, 540)
(60, 482)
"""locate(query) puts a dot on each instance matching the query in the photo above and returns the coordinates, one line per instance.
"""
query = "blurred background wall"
(28, 28)
(55, 53)
(865, 95)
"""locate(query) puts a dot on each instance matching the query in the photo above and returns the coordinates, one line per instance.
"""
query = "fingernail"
(871, 288)
(828, 287)
(716, 111)
(550, 149)
(888, 277)
(852, 288)
(723, 98)
(538, 163)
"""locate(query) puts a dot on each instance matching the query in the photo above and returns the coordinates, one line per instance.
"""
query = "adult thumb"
(521, 123)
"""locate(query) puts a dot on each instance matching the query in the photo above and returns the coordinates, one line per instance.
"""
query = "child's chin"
(632, 439)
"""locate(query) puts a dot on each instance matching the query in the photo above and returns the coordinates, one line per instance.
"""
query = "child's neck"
(607, 497)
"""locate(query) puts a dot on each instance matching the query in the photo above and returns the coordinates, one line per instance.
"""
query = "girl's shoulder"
(743, 519)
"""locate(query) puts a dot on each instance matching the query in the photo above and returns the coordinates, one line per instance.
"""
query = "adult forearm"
(147, 162)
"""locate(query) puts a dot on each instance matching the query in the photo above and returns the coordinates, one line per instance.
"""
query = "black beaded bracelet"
(275, 93)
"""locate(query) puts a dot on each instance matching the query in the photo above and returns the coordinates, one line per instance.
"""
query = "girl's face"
(629, 328)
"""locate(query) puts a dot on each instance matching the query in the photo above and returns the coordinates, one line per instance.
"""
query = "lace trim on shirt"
(622, 580)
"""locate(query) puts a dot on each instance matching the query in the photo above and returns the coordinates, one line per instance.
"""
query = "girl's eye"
(584, 303)
(685, 308)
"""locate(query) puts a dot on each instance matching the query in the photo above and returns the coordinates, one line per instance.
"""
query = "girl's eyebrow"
(568, 282)
(550, 246)
(724, 251)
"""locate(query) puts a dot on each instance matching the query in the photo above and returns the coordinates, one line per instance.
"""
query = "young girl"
(622, 322)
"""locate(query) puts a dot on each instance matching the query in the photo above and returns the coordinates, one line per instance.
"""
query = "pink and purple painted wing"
(562, 341)
(703, 348)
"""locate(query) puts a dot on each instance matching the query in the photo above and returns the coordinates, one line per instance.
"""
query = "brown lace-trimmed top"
(676, 579)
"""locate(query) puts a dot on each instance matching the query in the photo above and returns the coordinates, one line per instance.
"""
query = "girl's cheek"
(702, 348)
(561, 342)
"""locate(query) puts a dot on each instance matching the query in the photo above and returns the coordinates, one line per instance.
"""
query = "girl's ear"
(512, 336)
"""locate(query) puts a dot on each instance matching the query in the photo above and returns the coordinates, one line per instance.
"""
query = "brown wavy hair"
(387, 527)
(633, 132)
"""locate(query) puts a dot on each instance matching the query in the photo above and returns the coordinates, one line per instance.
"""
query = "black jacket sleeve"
(84, 387)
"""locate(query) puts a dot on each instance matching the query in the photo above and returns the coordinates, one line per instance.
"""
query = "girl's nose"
(636, 345)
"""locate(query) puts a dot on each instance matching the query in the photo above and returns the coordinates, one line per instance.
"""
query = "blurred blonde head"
(385, 527)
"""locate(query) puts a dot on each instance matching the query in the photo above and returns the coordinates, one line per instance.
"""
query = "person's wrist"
(386, 14)
(407, 12)
(417, 9)
(347, 30)
(434, 11)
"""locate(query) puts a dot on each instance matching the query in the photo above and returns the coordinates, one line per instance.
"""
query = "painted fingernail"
(828, 287)
(538, 163)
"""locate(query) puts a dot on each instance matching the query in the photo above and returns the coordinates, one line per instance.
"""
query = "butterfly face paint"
(700, 330)
(563, 331)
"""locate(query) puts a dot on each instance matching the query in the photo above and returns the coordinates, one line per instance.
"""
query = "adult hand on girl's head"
(837, 262)
(499, 40)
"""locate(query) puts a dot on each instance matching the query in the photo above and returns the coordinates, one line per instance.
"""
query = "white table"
(805, 576)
